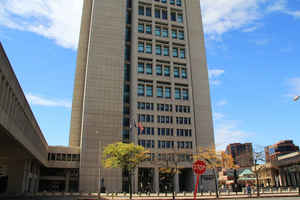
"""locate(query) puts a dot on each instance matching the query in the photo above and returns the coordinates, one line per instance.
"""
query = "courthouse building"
(139, 62)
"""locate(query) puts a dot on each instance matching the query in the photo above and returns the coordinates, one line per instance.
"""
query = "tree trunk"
(130, 185)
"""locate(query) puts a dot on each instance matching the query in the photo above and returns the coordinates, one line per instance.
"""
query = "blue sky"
(252, 52)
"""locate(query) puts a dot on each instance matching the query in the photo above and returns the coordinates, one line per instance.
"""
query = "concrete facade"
(139, 61)
(169, 96)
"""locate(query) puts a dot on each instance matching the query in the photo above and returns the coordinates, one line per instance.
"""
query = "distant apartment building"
(284, 147)
(242, 154)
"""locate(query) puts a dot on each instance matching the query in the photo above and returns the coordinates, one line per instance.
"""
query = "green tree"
(124, 156)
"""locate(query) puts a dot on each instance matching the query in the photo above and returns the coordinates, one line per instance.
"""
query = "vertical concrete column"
(176, 182)
(16, 177)
(135, 183)
(156, 179)
(67, 181)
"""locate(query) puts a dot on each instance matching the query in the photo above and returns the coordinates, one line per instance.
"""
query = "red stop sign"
(199, 167)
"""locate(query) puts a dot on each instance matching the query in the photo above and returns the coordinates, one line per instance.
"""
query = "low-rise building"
(281, 148)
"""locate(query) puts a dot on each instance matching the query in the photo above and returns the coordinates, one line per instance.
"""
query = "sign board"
(199, 167)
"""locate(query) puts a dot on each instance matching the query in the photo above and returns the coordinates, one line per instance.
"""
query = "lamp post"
(99, 163)
(296, 98)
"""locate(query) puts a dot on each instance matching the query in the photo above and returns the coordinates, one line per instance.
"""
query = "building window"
(175, 52)
(141, 47)
(157, 13)
(149, 68)
(183, 73)
(174, 33)
(149, 91)
(176, 72)
(165, 32)
(166, 71)
(164, 14)
(159, 70)
(149, 48)
(158, 49)
(177, 93)
(141, 68)
(172, 2)
(168, 93)
(148, 29)
(185, 94)
(164, 1)
(166, 51)
(181, 35)
(159, 92)
(141, 28)
(141, 90)
(178, 2)
(179, 18)
(182, 53)
(148, 12)
(173, 16)
(141, 10)
(157, 31)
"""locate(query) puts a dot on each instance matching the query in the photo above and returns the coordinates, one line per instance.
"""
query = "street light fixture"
(296, 98)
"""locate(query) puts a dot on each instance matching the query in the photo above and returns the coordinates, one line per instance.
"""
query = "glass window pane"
(172, 2)
(158, 50)
(141, 90)
(168, 92)
(178, 2)
(174, 34)
(167, 71)
(157, 31)
(149, 69)
(182, 53)
(177, 93)
(141, 10)
(176, 72)
(149, 91)
(175, 52)
(157, 13)
(164, 14)
(165, 32)
(148, 12)
(166, 51)
(183, 73)
(148, 29)
(148, 48)
(141, 47)
(180, 18)
(185, 94)
(181, 35)
(141, 68)
(173, 16)
(141, 28)
(159, 92)
(159, 70)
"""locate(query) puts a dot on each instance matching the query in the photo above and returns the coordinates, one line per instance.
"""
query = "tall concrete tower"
(141, 61)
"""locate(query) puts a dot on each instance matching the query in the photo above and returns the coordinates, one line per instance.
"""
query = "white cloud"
(294, 87)
(227, 132)
(214, 75)
(41, 101)
(282, 6)
(221, 103)
(55, 19)
(59, 20)
(220, 16)
(218, 116)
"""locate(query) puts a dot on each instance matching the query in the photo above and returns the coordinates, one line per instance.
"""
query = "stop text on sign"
(199, 167)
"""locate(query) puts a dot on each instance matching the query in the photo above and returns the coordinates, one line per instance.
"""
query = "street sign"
(199, 167)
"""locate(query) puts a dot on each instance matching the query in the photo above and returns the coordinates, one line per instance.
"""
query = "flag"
(140, 126)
